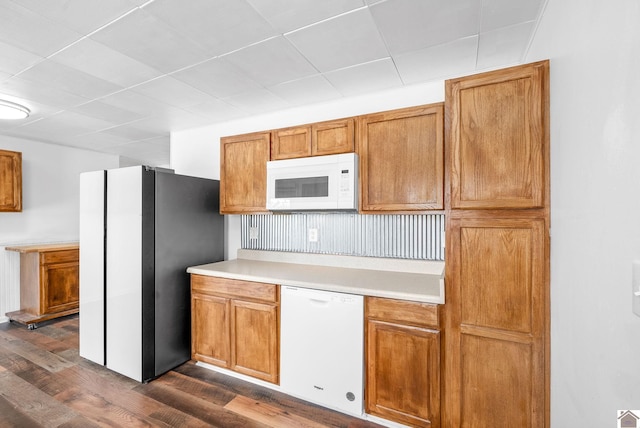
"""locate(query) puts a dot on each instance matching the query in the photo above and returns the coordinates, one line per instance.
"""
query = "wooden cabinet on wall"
(496, 359)
(402, 357)
(49, 282)
(402, 160)
(243, 173)
(10, 181)
(498, 135)
(235, 325)
(317, 139)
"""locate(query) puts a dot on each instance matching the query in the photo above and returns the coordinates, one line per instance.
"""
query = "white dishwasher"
(321, 347)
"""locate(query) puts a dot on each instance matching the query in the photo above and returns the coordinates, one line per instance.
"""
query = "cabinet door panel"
(255, 339)
(60, 286)
(496, 326)
(403, 373)
(402, 160)
(498, 130)
(243, 173)
(10, 181)
(328, 138)
(498, 388)
(500, 270)
(210, 330)
(291, 143)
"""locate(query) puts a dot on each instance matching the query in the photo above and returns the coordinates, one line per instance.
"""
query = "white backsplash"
(404, 236)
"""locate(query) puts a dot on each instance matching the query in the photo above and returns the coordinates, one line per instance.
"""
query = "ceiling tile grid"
(118, 76)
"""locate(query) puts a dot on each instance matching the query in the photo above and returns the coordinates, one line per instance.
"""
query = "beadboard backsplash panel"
(410, 236)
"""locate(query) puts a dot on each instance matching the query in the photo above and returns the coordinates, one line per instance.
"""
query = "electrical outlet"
(313, 235)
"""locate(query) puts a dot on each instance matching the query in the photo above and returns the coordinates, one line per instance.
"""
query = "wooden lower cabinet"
(402, 355)
(236, 325)
(49, 282)
(496, 371)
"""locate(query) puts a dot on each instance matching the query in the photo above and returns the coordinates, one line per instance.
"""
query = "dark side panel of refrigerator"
(188, 231)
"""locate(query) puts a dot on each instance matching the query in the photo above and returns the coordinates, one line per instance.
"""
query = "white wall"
(197, 151)
(50, 199)
(594, 47)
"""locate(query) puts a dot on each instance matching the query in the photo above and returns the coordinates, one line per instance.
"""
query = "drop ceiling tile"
(64, 78)
(31, 32)
(217, 26)
(130, 132)
(136, 102)
(271, 62)
(82, 16)
(369, 77)
(106, 112)
(340, 42)
(68, 123)
(312, 89)
(147, 39)
(258, 101)
(505, 46)
(96, 141)
(215, 111)
(105, 63)
(217, 77)
(172, 91)
(171, 119)
(503, 13)
(40, 93)
(447, 60)
(287, 15)
(15, 59)
(410, 25)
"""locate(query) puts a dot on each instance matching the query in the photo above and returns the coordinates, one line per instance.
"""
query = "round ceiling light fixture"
(9, 110)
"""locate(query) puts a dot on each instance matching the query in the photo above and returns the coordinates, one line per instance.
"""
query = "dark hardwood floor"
(44, 383)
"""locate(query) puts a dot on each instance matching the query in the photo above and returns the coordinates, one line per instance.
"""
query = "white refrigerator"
(139, 231)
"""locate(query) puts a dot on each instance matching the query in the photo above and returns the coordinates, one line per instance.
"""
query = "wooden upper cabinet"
(402, 160)
(333, 137)
(10, 181)
(243, 173)
(498, 130)
(317, 139)
(291, 143)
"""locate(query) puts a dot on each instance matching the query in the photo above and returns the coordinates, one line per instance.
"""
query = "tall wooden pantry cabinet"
(496, 352)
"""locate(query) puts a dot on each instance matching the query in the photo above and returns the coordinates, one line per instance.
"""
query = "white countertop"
(421, 281)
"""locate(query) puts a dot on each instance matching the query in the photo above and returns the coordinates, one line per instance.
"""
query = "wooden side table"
(49, 282)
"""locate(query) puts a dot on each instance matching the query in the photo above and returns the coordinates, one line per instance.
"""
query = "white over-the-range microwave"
(319, 183)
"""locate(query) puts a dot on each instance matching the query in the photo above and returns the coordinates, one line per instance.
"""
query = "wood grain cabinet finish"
(10, 181)
(236, 325)
(402, 361)
(333, 137)
(291, 143)
(498, 129)
(317, 139)
(243, 173)
(496, 293)
(496, 357)
(402, 160)
(49, 282)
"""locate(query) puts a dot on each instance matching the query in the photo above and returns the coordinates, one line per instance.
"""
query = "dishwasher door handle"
(322, 302)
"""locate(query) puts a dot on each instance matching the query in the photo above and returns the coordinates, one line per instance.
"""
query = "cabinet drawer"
(415, 313)
(61, 256)
(234, 288)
